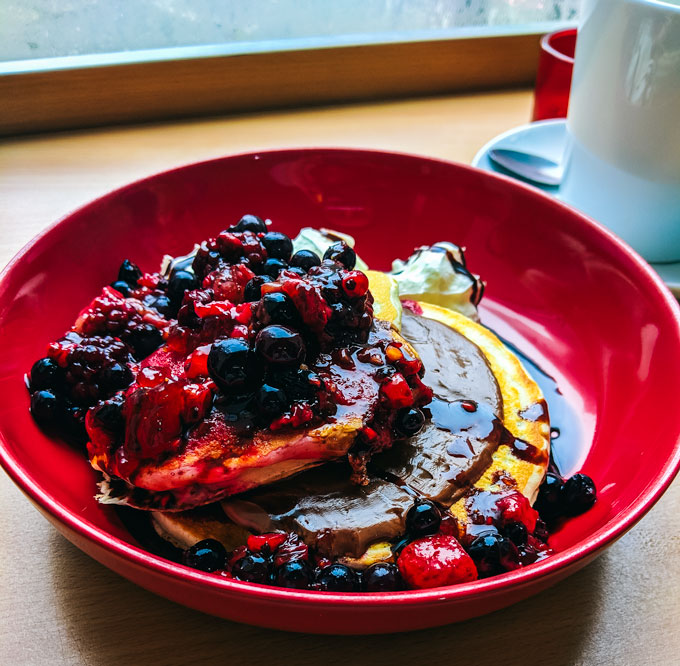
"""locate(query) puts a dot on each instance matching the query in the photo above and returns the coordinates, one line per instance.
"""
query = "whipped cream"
(319, 240)
(437, 274)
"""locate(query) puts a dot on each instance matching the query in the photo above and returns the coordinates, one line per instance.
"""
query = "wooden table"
(60, 607)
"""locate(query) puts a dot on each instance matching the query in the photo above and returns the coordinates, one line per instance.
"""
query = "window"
(77, 63)
(48, 28)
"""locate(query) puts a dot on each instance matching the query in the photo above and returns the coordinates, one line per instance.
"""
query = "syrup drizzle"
(566, 445)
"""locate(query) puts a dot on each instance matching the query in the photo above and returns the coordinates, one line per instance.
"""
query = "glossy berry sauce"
(274, 341)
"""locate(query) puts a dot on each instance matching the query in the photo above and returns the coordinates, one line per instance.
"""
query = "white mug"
(623, 160)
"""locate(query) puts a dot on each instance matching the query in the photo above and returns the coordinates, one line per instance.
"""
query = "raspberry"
(229, 282)
(514, 507)
(435, 561)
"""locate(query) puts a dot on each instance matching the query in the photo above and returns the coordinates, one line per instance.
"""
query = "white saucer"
(548, 138)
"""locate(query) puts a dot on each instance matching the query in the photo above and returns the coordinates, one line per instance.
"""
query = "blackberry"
(109, 315)
(94, 368)
(144, 340)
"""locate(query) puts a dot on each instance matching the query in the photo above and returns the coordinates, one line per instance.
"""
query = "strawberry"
(397, 392)
(514, 507)
(435, 561)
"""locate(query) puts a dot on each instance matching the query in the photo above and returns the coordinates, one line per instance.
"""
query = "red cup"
(553, 78)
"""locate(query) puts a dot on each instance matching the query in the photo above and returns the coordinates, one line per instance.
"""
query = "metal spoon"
(532, 167)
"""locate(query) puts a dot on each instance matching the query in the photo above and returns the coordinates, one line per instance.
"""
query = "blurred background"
(46, 28)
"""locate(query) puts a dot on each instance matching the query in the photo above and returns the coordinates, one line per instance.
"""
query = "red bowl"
(560, 287)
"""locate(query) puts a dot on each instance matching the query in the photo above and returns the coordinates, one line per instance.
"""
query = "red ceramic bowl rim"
(546, 44)
(515, 579)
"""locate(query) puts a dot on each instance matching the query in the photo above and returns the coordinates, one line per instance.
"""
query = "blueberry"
(231, 364)
(517, 533)
(116, 376)
(180, 282)
(278, 245)
(279, 345)
(207, 555)
(253, 288)
(129, 273)
(578, 494)
(400, 545)
(45, 374)
(549, 500)
(343, 253)
(493, 554)
(250, 223)
(73, 424)
(305, 259)
(144, 340)
(253, 568)
(271, 400)
(409, 421)
(338, 578)
(164, 306)
(122, 287)
(294, 575)
(273, 266)
(278, 308)
(45, 407)
(382, 577)
(297, 384)
(423, 518)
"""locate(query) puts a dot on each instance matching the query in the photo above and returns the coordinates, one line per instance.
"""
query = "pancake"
(464, 362)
